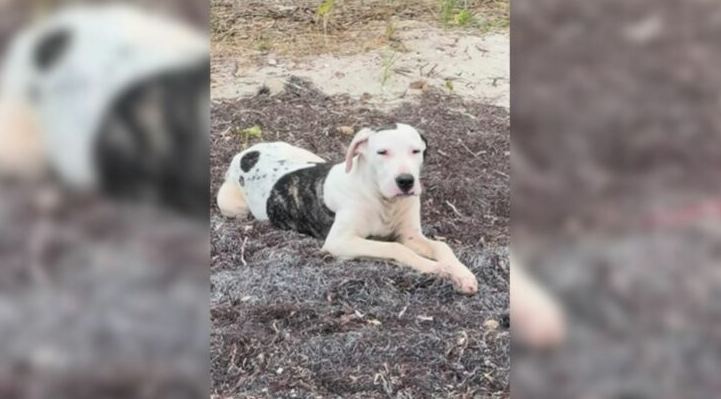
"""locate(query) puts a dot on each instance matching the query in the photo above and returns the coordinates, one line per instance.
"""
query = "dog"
(375, 193)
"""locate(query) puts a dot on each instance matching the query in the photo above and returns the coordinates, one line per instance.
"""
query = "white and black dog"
(374, 193)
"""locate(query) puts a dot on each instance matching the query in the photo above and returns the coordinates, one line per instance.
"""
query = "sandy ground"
(477, 67)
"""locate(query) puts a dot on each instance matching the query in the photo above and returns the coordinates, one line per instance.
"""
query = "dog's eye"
(382, 152)
(416, 151)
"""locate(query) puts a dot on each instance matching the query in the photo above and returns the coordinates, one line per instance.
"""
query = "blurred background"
(104, 287)
(616, 193)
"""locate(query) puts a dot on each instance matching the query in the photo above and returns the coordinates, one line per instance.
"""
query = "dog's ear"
(355, 147)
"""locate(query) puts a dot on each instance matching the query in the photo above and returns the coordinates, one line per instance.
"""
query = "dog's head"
(392, 156)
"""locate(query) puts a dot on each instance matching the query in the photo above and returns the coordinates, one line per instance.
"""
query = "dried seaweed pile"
(288, 321)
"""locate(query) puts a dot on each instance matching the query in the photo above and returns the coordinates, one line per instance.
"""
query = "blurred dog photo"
(109, 98)
(104, 123)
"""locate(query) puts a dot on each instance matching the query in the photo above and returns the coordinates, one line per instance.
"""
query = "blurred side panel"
(616, 137)
(104, 239)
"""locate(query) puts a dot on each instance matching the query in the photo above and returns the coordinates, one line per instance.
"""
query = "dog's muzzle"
(405, 182)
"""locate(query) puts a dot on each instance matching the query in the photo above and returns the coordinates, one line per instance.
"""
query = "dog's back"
(254, 172)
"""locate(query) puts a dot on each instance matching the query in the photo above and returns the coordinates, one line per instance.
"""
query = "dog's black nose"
(405, 182)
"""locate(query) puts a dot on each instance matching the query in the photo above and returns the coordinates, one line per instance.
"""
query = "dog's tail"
(231, 198)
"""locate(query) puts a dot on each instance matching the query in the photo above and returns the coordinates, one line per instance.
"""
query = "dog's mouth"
(403, 195)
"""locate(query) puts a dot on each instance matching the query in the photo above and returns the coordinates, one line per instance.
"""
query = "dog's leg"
(420, 245)
(350, 247)
(356, 247)
(411, 236)
(463, 278)
(232, 201)
(343, 242)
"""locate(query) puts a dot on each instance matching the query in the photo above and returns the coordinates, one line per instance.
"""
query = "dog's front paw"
(463, 279)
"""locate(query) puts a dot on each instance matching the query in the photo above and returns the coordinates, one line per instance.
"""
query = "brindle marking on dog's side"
(152, 143)
(249, 160)
(296, 202)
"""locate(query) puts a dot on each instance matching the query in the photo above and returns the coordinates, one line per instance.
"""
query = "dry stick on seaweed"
(455, 210)
(475, 154)
(242, 252)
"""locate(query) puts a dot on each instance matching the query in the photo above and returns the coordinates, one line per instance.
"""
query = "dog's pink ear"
(355, 147)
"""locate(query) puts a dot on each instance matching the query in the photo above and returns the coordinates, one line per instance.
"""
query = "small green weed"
(253, 131)
(456, 13)
(263, 44)
(464, 18)
(388, 62)
(390, 30)
(323, 13)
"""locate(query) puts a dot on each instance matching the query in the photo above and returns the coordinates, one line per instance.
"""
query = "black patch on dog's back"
(51, 48)
(249, 160)
(296, 202)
